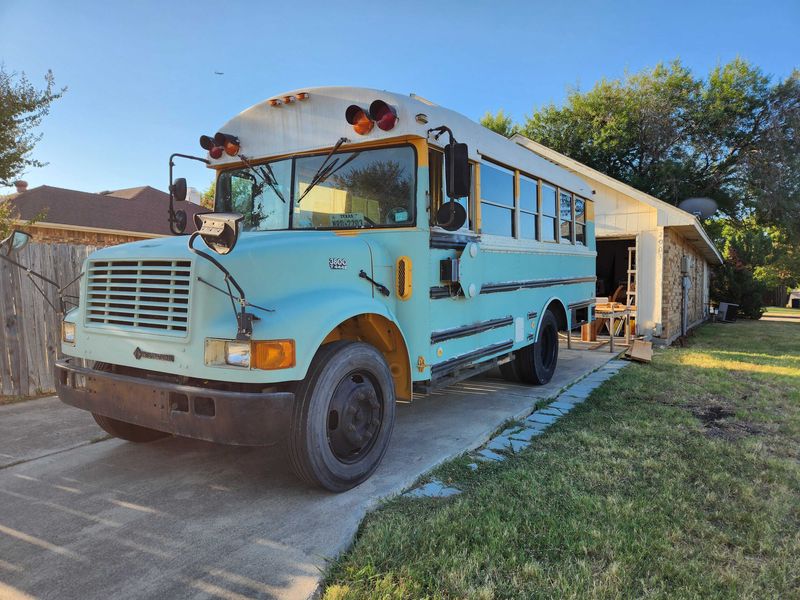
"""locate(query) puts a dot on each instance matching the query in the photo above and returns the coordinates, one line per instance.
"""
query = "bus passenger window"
(566, 217)
(528, 208)
(580, 221)
(497, 200)
(549, 214)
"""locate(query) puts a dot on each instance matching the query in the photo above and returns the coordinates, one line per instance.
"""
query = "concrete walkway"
(36, 428)
(186, 519)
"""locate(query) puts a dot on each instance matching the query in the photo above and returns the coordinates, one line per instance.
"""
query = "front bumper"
(239, 418)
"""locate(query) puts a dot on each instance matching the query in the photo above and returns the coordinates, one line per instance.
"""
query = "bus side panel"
(511, 289)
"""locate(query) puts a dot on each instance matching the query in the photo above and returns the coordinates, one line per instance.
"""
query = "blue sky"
(142, 84)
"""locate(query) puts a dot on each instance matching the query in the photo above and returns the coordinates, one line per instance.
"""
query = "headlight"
(257, 354)
(68, 332)
(237, 354)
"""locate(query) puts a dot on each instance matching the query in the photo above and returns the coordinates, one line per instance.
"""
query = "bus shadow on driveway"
(181, 518)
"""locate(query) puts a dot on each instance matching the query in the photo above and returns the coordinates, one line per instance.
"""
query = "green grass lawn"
(782, 311)
(677, 479)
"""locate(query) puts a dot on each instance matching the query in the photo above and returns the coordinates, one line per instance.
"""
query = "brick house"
(104, 219)
(650, 254)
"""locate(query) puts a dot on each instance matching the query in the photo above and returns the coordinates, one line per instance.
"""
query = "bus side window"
(436, 175)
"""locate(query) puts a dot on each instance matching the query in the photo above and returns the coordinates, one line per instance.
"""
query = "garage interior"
(616, 270)
(615, 292)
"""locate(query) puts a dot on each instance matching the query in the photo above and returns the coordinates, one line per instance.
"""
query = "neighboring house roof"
(142, 210)
(687, 224)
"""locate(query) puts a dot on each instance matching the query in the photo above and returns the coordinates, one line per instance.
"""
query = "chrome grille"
(149, 295)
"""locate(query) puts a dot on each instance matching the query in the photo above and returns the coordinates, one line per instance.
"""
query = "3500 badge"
(337, 263)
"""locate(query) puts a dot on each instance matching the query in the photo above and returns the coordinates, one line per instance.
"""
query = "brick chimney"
(21, 186)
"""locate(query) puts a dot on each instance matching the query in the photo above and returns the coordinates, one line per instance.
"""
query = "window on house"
(565, 203)
(497, 200)
(528, 208)
(580, 221)
(549, 213)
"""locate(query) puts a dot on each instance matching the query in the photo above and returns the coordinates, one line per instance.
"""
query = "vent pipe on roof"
(21, 186)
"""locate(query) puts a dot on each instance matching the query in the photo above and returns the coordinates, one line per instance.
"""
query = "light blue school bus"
(364, 245)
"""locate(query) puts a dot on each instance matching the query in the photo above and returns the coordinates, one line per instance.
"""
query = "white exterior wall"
(618, 215)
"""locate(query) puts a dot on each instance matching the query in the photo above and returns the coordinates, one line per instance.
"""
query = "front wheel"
(537, 363)
(343, 416)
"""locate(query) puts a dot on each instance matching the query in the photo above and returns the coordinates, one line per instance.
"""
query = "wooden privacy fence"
(30, 329)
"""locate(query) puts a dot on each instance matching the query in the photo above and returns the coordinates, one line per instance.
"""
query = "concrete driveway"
(184, 519)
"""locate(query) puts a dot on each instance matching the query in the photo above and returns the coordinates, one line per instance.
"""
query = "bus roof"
(317, 122)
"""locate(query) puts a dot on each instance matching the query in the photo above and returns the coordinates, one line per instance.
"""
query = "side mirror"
(15, 242)
(451, 216)
(178, 189)
(456, 157)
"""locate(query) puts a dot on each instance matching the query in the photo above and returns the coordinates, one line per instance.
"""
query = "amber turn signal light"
(359, 119)
(272, 354)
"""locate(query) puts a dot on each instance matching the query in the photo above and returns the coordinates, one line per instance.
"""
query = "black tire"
(122, 430)
(537, 363)
(343, 416)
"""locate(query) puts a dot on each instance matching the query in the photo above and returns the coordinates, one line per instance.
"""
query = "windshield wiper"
(267, 177)
(324, 170)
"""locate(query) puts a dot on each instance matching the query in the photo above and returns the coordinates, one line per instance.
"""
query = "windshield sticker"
(347, 220)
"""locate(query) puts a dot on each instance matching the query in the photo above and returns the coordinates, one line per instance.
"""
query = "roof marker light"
(302, 96)
(288, 99)
(359, 119)
(274, 102)
(384, 115)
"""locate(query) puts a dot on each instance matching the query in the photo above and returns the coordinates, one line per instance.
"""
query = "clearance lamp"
(384, 115)
(359, 119)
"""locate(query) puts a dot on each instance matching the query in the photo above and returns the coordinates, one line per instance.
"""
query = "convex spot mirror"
(458, 180)
(14, 242)
(178, 189)
(451, 216)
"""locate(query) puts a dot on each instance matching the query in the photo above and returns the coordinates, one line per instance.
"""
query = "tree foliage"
(499, 122)
(387, 180)
(207, 199)
(22, 108)
(731, 136)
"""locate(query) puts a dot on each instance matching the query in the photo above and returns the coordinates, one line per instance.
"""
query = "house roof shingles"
(141, 210)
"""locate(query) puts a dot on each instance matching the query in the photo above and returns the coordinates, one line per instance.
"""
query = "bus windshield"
(358, 189)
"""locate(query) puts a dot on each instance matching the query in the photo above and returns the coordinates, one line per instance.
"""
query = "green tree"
(207, 199)
(499, 123)
(22, 108)
(731, 136)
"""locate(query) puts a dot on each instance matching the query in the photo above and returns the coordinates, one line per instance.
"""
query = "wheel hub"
(354, 417)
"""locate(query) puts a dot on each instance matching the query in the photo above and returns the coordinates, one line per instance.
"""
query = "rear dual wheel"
(536, 364)
(343, 416)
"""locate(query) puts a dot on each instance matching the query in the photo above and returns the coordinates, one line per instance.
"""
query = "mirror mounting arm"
(61, 309)
(451, 172)
(173, 217)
